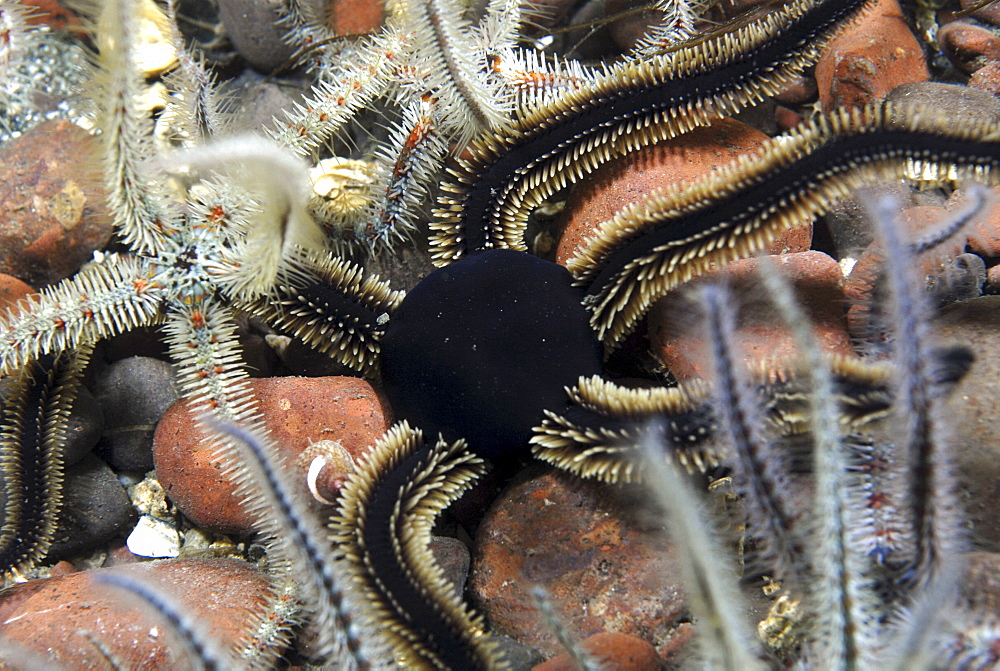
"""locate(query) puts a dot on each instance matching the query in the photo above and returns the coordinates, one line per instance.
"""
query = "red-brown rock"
(984, 236)
(53, 617)
(993, 279)
(629, 24)
(298, 412)
(354, 17)
(51, 13)
(969, 46)
(786, 118)
(990, 13)
(987, 78)
(603, 569)
(614, 652)
(676, 331)
(11, 291)
(597, 197)
(61, 568)
(859, 287)
(869, 59)
(54, 212)
(800, 89)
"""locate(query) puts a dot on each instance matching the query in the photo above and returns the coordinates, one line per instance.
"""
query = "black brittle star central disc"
(480, 347)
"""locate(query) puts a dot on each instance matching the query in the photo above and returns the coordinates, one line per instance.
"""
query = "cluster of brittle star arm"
(496, 350)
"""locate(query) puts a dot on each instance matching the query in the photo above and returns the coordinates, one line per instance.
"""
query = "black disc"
(480, 347)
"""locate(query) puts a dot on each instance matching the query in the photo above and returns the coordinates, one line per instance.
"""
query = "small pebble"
(84, 427)
(260, 104)
(990, 13)
(987, 78)
(354, 17)
(960, 280)
(969, 46)
(152, 537)
(118, 553)
(12, 290)
(453, 558)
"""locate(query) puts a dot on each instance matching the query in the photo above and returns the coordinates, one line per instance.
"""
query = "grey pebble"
(134, 393)
(453, 558)
(83, 427)
(252, 27)
(520, 657)
(951, 100)
(961, 280)
(260, 105)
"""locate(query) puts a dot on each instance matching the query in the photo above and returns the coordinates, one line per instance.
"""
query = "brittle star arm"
(103, 300)
(600, 434)
(666, 239)
(33, 433)
(333, 306)
(631, 105)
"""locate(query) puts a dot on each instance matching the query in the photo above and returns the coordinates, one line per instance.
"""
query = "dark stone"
(519, 657)
(134, 394)
(95, 509)
(950, 100)
(961, 280)
(253, 28)
(453, 558)
(83, 427)
(259, 103)
(482, 346)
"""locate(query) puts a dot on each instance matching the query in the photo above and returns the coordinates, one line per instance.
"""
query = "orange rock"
(355, 17)
(969, 46)
(859, 287)
(993, 278)
(11, 291)
(601, 565)
(51, 13)
(74, 622)
(676, 331)
(869, 59)
(298, 411)
(990, 13)
(614, 652)
(598, 196)
(62, 568)
(987, 78)
(54, 212)
(984, 237)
